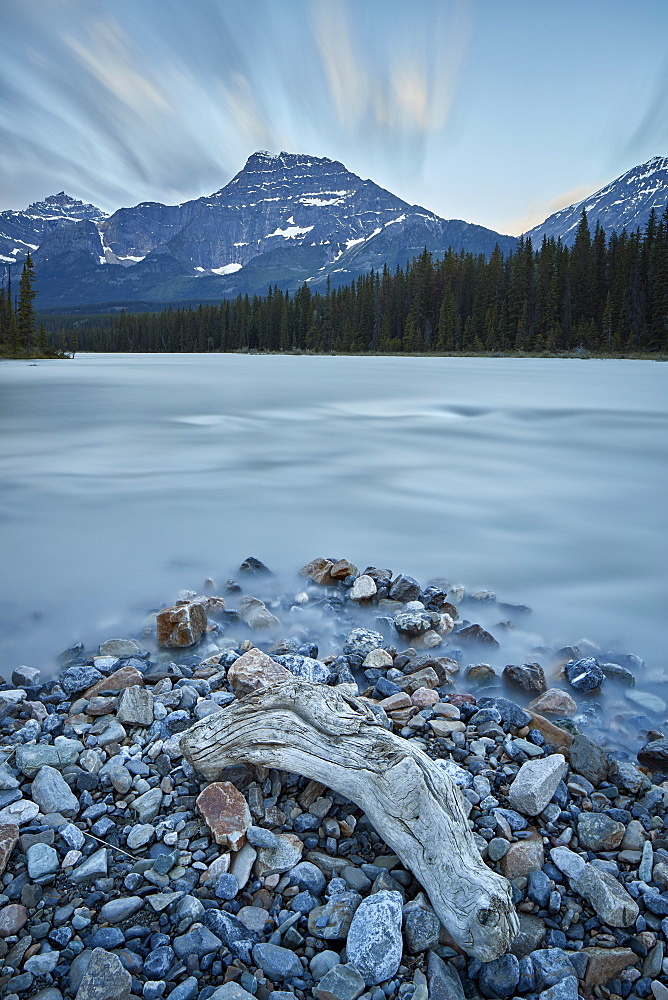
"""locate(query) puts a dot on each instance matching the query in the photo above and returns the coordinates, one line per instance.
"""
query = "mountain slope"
(22, 232)
(282, 220)
(624, 203)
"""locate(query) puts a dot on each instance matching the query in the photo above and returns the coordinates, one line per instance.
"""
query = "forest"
(603, 295)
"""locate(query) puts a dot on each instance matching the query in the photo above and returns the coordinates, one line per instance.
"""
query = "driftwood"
(314, 731)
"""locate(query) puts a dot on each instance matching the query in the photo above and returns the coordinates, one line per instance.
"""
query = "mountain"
(23, 232)
(624, 203)
(283, 220)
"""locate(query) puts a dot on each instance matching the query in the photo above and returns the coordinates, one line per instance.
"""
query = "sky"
(497, 112)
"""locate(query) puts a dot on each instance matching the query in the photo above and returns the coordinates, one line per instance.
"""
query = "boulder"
(180, 626)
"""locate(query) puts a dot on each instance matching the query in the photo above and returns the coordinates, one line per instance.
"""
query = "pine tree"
(25, 315)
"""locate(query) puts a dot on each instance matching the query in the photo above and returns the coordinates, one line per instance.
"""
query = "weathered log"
(314, 731)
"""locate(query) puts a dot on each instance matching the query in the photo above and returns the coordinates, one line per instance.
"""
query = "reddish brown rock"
(605, 963)
(12, 919)
(226, 813)
(254, 670)
(343, 568)
(124, 678)
(395, 702)
(523, 857)
(9, 834)
(557, 737)
(182, 625)
(424, 697)
(319, 570)
(462, 698)
(555, 702)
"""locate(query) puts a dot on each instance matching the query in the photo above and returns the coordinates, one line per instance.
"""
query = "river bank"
(123, 879)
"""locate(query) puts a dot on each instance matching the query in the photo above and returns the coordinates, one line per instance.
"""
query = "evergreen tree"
(25, 315)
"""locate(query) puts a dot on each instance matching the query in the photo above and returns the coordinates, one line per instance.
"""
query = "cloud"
(538, 211)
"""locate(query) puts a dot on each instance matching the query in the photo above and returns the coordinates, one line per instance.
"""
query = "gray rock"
(232, 932)
(510, 712)
(647, 862)
(444, 982)
(535, 783)
(199, 941)
(121, 909)
(72, 836)
(332, 921)
(610, 901)
(500, 977)
(322, 962)
(105, 978)
(25, 676)
(567, 861)
(550, 965)
(565, 989)
(228, 991)
(148, 805)
(42, 860)
(413, 622)
(188, 990)
(497, 848)
(362, 640)
(655, 755)
(343, 982)
(308, 876)
(78, 968)
(531, 935)
(30, 757)
(140, 835)
(584, 674)
(135, 706)
(276, 962)
(52, 793)
(528, 676)
(259, 837)
(588, 759)
(112, 733)
(374, 944)
(421, 928)
(404, 588)
(597, 832)
(305, 667)
(92, 868)
(122, 648)
(40, 964)
(78, 678)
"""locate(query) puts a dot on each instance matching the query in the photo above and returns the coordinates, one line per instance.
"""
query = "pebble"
(52, 793)
(104, 979)
(342, 982)
(42, 860)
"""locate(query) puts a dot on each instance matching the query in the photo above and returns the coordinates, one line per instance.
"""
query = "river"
(125, 478)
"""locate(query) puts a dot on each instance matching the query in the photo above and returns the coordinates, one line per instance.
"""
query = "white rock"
(363, 588)
(535, 784)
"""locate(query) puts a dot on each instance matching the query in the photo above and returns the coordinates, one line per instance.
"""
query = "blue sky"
(496, 111)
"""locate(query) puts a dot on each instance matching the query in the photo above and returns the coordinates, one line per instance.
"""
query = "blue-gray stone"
(104, 978)
(343, 982)
(500, 977)
(231, 932)
(259, 837)
(308, 876)
(404, 589)
(421, 928)
(277, 963)
(550, 966)
(52, 793)
(374, 944)
(305, 667)
(508, 710)
(527, 980)
(199, 941)
(362, 641)
(565, 989)
(120, 909)
(584, 674)
(42, 860)
(539, 888)
(514, 820)
(158, 962)
(226, 886)
(78, 678)
(444, 982)
(107, 938)
(187, 990)
(304, 902)
(322, 962)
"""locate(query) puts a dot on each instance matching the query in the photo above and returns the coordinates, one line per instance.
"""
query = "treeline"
(20, 337)
(602, 295)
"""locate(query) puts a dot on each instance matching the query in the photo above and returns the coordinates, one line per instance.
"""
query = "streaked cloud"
(538, 211)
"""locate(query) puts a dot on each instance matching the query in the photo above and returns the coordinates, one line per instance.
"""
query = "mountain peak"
(624, 203)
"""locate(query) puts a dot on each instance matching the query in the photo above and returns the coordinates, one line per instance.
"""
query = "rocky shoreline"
(127, 874)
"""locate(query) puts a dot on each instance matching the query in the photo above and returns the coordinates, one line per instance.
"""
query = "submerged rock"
(181, 625)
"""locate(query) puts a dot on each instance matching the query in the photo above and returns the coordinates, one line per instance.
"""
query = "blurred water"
(124, 478)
